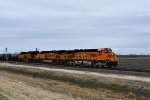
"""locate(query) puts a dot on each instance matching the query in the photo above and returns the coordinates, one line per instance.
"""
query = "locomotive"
(95, 57)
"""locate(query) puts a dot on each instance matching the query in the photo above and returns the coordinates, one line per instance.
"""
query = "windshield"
(107, 51)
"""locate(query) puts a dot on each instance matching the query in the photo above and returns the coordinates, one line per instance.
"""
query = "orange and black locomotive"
(94, 57)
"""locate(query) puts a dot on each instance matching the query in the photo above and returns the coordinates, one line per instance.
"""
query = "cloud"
(74, 24)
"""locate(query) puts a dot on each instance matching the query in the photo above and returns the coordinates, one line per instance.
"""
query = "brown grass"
(74, 84)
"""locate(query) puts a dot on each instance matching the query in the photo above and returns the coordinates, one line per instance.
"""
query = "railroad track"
(117, 70)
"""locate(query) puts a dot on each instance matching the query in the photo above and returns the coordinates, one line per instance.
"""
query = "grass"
(2, 97)
(81, 81)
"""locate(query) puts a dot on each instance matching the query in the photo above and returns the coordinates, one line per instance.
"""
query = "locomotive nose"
(112, 56)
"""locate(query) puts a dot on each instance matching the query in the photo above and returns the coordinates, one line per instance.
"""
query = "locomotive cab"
(107, 57)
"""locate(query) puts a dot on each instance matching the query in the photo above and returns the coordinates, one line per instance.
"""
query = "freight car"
(5, 57)
(94, 57)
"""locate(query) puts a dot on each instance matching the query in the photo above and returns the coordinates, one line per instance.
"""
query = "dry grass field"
(25, 83)
(134, 62)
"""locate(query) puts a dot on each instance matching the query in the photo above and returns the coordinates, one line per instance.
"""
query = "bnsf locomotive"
(94, 57)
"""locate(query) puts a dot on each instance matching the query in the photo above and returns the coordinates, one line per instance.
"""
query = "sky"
(123, 25)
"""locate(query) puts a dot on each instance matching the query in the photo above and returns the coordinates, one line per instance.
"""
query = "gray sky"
(123, 25)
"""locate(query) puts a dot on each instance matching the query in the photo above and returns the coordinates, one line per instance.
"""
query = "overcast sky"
(123, 25)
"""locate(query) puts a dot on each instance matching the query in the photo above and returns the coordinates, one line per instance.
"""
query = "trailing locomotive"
(94, 57)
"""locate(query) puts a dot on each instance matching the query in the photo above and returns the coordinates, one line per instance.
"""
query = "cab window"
(107, 51)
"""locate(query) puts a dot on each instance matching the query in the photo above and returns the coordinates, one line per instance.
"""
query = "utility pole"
(6, 55)
(36, 49)
(6, 49)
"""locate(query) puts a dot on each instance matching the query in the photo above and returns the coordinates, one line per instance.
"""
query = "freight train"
(95, 57)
